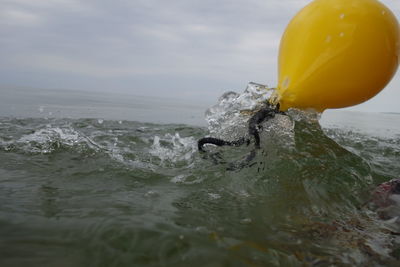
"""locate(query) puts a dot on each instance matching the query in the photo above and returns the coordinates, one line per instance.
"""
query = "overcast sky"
(189, 49)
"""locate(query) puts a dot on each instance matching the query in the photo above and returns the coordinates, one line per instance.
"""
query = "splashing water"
(228, 118)
(119, 193)
(174, 148)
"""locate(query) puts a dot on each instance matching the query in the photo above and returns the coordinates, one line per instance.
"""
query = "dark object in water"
(266, 113)
(220, 142)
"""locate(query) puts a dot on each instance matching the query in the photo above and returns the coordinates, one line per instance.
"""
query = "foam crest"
(227, 119)
(173, 148)
(49, 139)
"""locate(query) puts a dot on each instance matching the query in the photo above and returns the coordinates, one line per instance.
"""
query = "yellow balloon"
(337, 53)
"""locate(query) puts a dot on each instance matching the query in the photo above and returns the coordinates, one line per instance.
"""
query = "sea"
(112, 179)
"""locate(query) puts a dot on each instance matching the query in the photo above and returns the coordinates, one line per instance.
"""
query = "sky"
(192, 50)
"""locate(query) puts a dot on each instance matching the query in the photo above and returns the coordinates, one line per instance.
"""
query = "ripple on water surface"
(116, 193)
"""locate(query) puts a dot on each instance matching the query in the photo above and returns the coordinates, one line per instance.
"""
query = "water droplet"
(285, 83)
(181, 237)
(151, 193)
(120, 122)
(214, 196)
(100, 121)
(383, 12)
(341, 34)
(41, 109)
(328, 38)
(243, 193)
(201, 229)
(178, 179)
(342, 16)
(141, 129)
(246, 221)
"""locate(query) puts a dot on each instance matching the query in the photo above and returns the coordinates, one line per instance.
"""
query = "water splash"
(173, 148)
(49, 139)
(146, 184)
(227, 119)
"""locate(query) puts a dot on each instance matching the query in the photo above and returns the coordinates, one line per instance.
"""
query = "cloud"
(18, 17)
(189, 35)
(219, 42)
(74, 5)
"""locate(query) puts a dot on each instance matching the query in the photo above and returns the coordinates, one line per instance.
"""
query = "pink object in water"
(381, 196)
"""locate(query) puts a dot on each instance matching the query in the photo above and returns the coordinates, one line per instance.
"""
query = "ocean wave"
(301, 198)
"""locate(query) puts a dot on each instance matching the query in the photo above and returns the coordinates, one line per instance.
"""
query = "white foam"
(186, 179)
(42, 141)
(228, 118)
(214, 196)
(173, 148)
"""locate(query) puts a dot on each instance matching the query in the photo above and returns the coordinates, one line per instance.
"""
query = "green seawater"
(109, 192)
